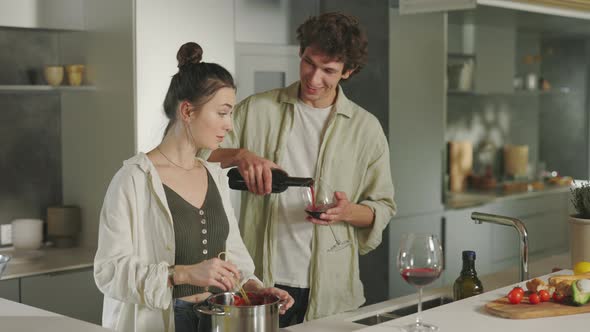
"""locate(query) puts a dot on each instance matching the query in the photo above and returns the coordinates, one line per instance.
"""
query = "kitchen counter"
(345, 321)
(47, 260)
(476, 198)
(19, 317)
(468, 314)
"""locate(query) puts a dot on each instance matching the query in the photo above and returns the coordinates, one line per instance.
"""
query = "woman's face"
(213, 121)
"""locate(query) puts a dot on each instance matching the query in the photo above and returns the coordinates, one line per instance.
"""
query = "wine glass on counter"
(420, 262)
(317, 199)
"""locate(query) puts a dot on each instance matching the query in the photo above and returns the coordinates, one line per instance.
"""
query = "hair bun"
(189, 53)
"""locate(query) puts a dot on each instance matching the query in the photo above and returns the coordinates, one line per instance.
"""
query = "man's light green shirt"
(353, 157)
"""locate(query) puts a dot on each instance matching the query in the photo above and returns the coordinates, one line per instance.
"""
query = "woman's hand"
(286, 299)
(212, 272)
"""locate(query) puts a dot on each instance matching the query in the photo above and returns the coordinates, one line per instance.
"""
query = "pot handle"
(212, 312)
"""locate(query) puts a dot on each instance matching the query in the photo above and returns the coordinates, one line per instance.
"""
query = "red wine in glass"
(318, 202)
(420, 276)
(420, 262)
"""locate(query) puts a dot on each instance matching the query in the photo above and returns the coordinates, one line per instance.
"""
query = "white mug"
(27, 233)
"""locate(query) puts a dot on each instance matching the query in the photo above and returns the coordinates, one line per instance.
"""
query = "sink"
(403, 311)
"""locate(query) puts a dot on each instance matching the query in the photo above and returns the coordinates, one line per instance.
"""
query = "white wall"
(161, 28)
(263, 21)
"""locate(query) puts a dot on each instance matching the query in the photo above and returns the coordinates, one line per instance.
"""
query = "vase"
(579, 239)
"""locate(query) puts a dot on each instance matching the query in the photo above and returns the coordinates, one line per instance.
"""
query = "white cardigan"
(136, 246)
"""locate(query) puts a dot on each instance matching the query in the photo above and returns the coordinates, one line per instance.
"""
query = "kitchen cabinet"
(490, 36)
(497, 246)
(9, 289)
(43, 14)
(73, 294)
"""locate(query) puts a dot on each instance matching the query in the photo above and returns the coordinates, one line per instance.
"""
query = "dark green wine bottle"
(468, 284)
(280, 180)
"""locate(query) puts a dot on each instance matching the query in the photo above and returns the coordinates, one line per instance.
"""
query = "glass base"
(420, 327)
(339, 246)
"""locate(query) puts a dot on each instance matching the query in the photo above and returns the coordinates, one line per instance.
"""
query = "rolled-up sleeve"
(377, 194)
(237, 252)
(118, 271)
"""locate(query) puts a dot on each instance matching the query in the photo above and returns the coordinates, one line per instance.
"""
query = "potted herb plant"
(580, 224)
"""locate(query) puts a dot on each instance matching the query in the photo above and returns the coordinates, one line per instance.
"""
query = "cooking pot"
(227, 316)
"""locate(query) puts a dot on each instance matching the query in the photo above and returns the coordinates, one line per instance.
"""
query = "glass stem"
(333, 234)
(419, 315)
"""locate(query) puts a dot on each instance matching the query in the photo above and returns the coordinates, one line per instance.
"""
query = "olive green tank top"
(200, 234)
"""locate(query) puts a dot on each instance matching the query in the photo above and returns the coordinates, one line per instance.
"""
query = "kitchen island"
(469, 315)
(465, 314)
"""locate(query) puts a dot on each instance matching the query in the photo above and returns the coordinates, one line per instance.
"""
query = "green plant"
(581, 200)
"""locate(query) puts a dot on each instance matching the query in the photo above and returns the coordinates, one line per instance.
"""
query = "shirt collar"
(290, 94)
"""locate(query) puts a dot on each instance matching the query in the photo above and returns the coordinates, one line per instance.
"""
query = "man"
(311, 129)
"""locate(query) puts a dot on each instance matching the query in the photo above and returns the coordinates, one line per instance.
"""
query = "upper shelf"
(43, 88)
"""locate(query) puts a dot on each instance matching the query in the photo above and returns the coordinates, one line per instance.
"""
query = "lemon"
(582, 268)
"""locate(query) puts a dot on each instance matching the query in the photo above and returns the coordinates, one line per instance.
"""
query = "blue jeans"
(187, 319)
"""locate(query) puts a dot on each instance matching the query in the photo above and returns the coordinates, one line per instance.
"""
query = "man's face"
(319, 75)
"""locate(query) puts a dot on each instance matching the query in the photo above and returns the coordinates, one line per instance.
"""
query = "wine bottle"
(280, 180)
(468, 284)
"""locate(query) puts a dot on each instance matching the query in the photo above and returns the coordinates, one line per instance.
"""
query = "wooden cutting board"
(524, 310)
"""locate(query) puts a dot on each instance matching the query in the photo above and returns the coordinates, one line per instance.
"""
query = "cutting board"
(524, 310)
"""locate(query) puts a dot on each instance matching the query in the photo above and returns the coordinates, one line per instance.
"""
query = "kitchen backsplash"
(495, 119)
(30, 127)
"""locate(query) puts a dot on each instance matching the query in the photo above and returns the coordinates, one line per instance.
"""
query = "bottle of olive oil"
(468, 284)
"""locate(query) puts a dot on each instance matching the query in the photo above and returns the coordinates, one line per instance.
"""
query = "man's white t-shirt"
(293, 233)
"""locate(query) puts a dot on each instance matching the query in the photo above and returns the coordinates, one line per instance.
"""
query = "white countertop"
(344, 321)
(17, 317)
(47, 260)
(469, 315)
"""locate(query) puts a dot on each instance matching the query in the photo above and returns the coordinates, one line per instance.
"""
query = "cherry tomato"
(557, 297)
(514, 296)
(518, 289)
(544, 295)
(534, 298)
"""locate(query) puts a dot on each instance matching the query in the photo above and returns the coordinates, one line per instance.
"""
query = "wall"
(499, 119)
(254, 17)
(30, 153)
(158, 37)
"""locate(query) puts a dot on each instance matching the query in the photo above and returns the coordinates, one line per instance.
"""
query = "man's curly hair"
(338, 35)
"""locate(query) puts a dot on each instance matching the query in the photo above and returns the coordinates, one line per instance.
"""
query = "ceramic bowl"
(75, 74)
(54, 75)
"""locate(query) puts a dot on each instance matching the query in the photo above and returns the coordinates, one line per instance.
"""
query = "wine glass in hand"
(317, 199)
(420, 262)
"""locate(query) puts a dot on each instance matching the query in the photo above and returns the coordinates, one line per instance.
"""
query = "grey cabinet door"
(417, 111)
(9, 290)
(73, 294)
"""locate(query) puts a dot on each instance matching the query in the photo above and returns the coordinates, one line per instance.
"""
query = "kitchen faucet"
(479, 217)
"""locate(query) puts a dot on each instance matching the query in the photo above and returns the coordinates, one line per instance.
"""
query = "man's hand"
(341, 211)
(256, 172)
(286, 299)
(344, 210)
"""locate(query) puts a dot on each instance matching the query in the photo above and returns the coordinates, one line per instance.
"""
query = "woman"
(167, 216)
